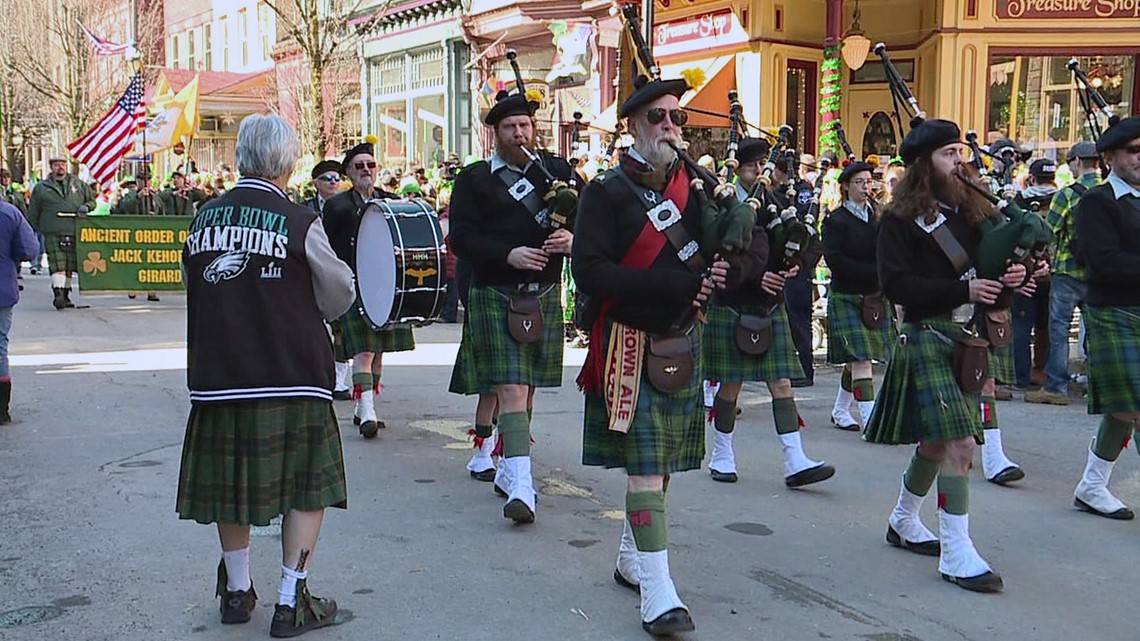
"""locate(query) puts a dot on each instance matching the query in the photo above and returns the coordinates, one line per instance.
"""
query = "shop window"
(391, 127)
(880, 138)
(427, 69)
(430, 130)
(800, 108)
(1034, 100)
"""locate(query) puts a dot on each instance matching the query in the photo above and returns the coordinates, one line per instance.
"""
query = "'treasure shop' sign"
(700, 32)
(1035, 9)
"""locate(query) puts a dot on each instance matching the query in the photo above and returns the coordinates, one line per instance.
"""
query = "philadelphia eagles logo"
(227, 266)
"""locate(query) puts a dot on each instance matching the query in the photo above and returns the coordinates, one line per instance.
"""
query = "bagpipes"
(561, 196)
(1013, 236)
(788, 236)
(1092, 103)
(723, 216)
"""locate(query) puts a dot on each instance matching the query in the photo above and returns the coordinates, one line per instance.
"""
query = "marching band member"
(502, 224)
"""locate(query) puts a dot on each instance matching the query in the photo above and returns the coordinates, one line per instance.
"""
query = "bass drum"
(400, 263)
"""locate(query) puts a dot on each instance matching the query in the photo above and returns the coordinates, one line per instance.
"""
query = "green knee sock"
(646, 514)
(787, 418)
(515, 430)
(989, 413)
(724, 415)
(920, 474)
(1111, 438)
(363, 379)
(954, 494)
(863, 389)
(483, 431)
(845, 380)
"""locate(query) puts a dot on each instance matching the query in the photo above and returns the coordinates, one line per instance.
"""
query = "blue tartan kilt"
(668, 430)
(722, 360)
(497, 358)
(920, 400)
(849, 340)
(1114, 359)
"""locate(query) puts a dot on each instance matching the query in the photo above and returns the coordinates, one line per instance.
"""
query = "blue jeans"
(5, 329)
(1066, 294)
(1029, 315)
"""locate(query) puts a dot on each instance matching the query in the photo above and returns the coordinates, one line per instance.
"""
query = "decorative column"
(831, 79)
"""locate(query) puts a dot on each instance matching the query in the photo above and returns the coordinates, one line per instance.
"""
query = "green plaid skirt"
(722, 360)
(848, 339)
(668, 430)
(1114, 359)
(920, 400)
(244, 463)
(338, 342)
(359, 335)
(60, 259)
(496, 358)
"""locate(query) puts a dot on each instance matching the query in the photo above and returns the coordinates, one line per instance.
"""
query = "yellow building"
(995, 66)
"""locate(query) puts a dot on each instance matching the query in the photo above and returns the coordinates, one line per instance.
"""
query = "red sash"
(640, 255)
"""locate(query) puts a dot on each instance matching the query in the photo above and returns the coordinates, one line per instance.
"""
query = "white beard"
(658, 154)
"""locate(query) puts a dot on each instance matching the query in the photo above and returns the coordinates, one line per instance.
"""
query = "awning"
(720, 78)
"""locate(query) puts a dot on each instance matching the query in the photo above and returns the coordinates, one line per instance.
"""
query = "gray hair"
(267, 147)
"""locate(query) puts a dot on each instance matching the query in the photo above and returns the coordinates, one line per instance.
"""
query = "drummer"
(501, 224)
(363, 343)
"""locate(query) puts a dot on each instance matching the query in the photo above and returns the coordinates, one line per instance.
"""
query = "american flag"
(103, 47)
(111, 138)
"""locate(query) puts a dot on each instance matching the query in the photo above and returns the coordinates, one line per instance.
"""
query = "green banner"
(131, 253)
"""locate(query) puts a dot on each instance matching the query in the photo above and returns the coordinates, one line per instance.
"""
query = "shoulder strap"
(665, 217)
(950, 246)
(1079, 188)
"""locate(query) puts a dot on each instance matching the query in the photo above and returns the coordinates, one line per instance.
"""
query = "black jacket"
(342, 220)
(914, 271)
(850, 248)
(1108, 232)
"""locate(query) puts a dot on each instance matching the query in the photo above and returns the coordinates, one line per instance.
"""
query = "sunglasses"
(362, 165)
(656, 116)
(331, 178)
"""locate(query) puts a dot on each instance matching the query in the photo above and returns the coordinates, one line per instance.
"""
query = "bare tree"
(325, 34)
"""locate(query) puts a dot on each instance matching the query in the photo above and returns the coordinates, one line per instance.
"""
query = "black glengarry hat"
(1119, 134)
(507, 105)
(854, 168)
(325, 166)
(753, 149)
(362, 148)
(646, 91)
(928, 136)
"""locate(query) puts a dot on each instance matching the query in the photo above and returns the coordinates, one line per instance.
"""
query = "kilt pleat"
(668, 430)
(60, 259)
(1113, 359)
(487, 346)
(358, 335)
(722, 360)
(920, 400)
(1001, 365)
(245, 463)
(848, 339)
(465, 375)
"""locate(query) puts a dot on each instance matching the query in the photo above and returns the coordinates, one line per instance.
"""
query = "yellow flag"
(187, 98)
(163, 94)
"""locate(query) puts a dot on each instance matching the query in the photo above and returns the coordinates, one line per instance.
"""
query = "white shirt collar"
(863, 212)
(1121, 188)
(497, 162)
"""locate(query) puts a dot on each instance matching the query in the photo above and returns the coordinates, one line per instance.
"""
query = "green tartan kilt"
(359, 335)
(338, 342)
(668, 430)
(722, 360)
(487, 346)
(920, 400)
(1114, 359)
(1001, 365)
(60, 259)
(851, 341)
(244, 463)
(464, 375)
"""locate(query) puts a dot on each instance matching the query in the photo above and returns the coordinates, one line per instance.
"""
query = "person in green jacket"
(56, 202)
(142, 200)
(180, 199)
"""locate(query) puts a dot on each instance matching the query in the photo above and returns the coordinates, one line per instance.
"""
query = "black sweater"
(850, 249)
(342, 221)
(1109, 233)
(609, 220)
(487, 223)
(914, 271)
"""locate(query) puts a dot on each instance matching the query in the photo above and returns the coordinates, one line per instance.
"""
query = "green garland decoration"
(831, 98)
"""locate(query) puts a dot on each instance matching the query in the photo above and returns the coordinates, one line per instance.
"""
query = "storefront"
(415, 95)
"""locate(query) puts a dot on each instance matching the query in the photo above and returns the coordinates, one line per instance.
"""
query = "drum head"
(375, 265)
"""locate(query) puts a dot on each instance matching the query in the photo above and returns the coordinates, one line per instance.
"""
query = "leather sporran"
(971, 364)
(753, 334)
(524, 319)
(669, 362)
(873, 309)
(999, 327)
(66, 243)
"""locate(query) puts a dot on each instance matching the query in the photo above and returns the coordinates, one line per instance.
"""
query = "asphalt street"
(91, 548)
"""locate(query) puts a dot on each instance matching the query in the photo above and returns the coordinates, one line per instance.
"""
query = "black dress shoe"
(926, 548)
(1123, 514)
(487, 476)
(237, 606)
(368, 429)
(1008, 475)
(342, 395)
(802, 382)
(988, 583)
(518, 512)
(624, 582)
(152, 298)
(723, 477)
(847, 427)
(672, 622)
(820, 472)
